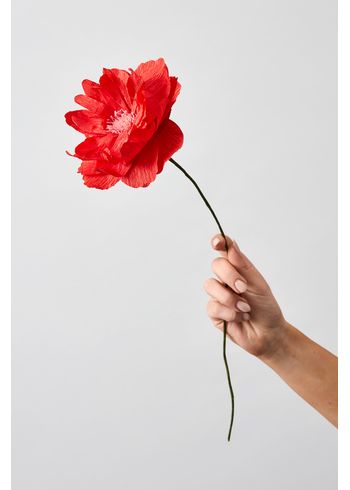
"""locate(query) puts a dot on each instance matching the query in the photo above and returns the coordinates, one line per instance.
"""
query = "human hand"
(242, 297)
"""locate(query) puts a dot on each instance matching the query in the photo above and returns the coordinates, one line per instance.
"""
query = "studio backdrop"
(118, 378)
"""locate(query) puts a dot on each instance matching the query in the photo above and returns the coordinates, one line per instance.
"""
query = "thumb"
(240, 261)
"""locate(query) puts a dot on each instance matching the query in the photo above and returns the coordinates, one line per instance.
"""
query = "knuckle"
(207, 285)
(214, 264)
(210, 308)
(213, 309)
(245, 266)
(217, 263)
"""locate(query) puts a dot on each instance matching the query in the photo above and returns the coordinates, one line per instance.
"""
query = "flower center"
(120, 121)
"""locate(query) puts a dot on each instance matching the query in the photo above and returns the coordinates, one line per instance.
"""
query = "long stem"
(225, 323)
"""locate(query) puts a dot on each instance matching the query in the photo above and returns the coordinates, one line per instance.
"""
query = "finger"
(240, 261)
(217, 311)
(225, 295)
(228, 274)
(235, 330)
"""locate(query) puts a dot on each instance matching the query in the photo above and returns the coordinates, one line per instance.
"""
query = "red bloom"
(129, 135)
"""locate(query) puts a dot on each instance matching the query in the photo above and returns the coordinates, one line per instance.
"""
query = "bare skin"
(241, 296)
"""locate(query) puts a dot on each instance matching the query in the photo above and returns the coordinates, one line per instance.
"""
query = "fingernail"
(216, 242)
(243, 306)
(241, 286)
(246, 316)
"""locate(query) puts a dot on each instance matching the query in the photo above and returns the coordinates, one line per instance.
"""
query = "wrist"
(281, 346)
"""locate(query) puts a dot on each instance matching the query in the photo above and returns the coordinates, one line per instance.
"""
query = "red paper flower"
(129, 135)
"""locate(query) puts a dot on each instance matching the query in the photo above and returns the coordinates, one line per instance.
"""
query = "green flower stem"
(225, 323)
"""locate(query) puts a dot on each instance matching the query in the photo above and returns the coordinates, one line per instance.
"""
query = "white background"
(118, 380)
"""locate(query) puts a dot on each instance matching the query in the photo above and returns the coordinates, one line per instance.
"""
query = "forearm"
(309, 369)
